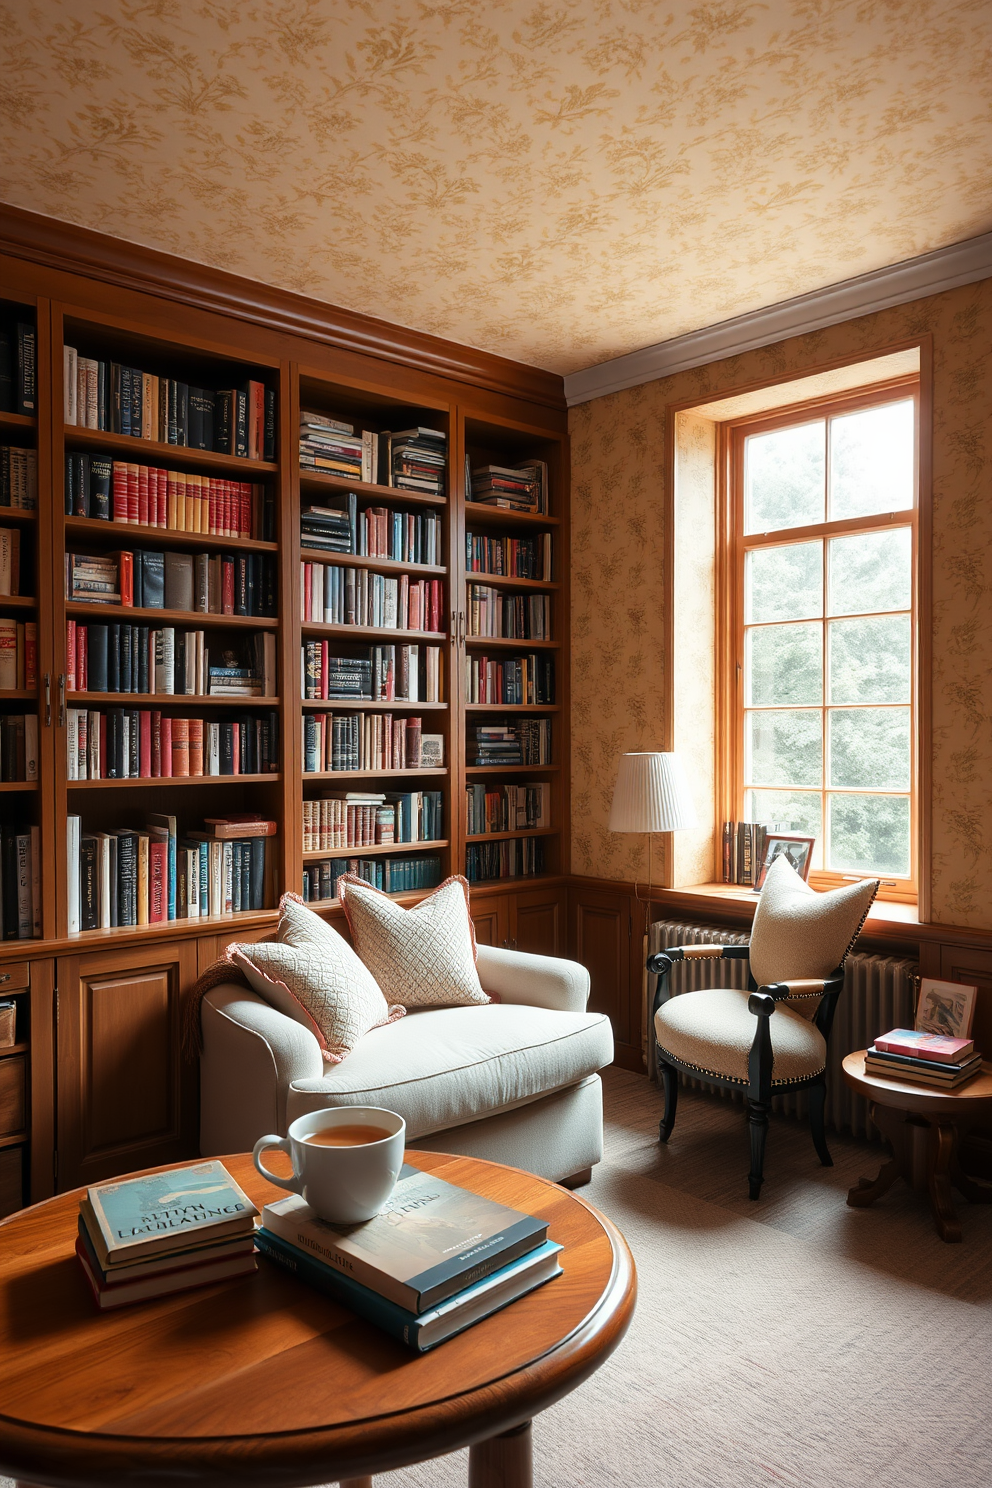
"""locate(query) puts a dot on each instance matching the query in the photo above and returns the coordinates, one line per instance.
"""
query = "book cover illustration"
(168, 1207)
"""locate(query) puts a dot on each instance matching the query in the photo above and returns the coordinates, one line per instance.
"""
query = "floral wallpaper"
(561, 181)
(620, 508)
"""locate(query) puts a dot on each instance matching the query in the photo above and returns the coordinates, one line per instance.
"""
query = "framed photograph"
(946, 1008)
(798, 850)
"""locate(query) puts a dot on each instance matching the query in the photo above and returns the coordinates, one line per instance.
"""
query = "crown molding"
(913, 279)
(79, 250)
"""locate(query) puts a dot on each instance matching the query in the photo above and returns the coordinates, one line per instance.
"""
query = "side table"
(924, 1126)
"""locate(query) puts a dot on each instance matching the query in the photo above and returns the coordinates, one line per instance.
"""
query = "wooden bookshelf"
(122, 988)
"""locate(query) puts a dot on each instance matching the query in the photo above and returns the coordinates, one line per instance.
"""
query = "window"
(822, 562)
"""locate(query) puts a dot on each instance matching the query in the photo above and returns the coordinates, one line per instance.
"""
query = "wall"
(620, 508)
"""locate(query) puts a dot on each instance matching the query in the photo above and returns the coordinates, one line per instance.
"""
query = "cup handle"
(294, 1184)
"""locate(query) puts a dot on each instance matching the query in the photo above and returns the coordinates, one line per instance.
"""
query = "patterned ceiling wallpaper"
(560, 181)
(620, 508)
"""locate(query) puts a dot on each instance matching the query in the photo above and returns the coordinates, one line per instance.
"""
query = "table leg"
(941, 1203)
(502, 1461)
(355, 1483)
(893, 1128)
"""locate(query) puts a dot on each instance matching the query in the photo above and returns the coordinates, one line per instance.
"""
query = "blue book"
(138, 1218)
(424, 1330)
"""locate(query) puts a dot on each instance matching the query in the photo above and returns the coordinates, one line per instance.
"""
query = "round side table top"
(962, 1104)
(266, 1381)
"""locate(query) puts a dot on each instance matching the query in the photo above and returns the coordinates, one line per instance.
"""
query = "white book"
(30, 746)
(192, 883)
(227, 871)
(216, 879)
(72, 744)
(8, 653)
(82, 743)
(103, 879)
(93, 735)
(212, 750)
(87, 411)
(24, 915)
(36, 881)
(73, 827)
(201, 662)
(165, 659)
(413, 672)
(390, 616)
(70, 380)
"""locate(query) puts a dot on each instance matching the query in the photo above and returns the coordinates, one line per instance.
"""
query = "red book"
(161, 498)
(180, 746)
(82, 658)
(132, 492)
(195, 745)
(30, 654)
(323, 669)
(145, 744)
(125, 576)
(172, 502)
(70, 656)
(225, 509)
(227, 586)
(143, 474)
(156, 731)
(920, 1045)
(166, 747)
(212, 505)
(244, 506)
(119, 491)
(158, 880)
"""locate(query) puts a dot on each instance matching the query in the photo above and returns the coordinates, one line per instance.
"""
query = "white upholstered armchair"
(516, 1081)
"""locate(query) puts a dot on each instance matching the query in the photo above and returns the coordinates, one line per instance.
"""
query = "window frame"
(733, 544)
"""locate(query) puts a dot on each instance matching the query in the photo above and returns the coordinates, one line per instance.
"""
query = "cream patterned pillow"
(799, 933)
(421, 957)
(312, 975)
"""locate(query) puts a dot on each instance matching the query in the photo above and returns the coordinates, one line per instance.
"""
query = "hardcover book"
(164, 1211)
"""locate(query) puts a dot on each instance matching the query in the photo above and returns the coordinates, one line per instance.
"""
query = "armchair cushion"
(421, 957)
(798, 933)
(713, 1032)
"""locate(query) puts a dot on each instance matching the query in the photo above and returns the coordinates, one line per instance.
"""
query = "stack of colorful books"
(166, 1232)
(435, 1260)
(923, 1058)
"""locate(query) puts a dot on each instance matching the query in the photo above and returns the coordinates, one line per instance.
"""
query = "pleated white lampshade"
(651, 795)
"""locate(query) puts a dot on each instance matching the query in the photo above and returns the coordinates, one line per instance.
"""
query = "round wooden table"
(924, 1126)
(263, 1381)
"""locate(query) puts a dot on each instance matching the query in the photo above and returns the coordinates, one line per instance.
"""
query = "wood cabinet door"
(536, 921)
(491, 918)
(127, 1094)
(601, 927)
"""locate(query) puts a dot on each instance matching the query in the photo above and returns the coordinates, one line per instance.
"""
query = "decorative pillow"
(312, 975)
(421, 957)
(799, 933)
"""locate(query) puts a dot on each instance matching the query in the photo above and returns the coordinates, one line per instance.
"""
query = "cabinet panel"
(13, 1109)
(491, 918)
(601, 931)
(126, 1092)
(535, 921)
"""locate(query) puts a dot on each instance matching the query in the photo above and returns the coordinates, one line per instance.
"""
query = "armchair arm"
(533, 981)
(660, 963)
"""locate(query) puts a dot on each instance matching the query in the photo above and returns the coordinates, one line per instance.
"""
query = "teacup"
(345, 1160)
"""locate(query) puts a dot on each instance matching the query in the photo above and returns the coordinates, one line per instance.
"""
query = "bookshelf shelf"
(378, 565)
(186, 619)
(17, 601)
(16, 693)
(512, 707)
(381, 849)
(505, 581)
(500, 516)
(508, 836)
(369, 774)
(375, 633)
(312, 483)
(511, 770)
(123, 533)
(17, 420)
(227, 924)
(9, 786)
(143, 782)
(393, 706)
(502, 644)
(21, 1048)
(168, 700)
(16, 514)
(152, 451)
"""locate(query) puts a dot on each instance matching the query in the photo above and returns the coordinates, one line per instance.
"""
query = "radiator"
(879, 994)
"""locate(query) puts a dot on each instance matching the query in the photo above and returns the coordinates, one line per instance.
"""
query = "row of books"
(20, 881)
(368, 741)
(508, 808)
(372, 819)
(515, 557)
(373, 532)
(201, 583)
(333, 595)
(384, 674)
(10, 560)
(399, 875)
(526, 742)
(510, 679)
(744, 846)
(18, 654)
(167, 1232)
(18, 478)
(18, 746)
(435, 1260)
(125, 400)
(522, 487)
(146, 496)
(144, 744)
(520, 857)
(411, 459)
(19, 368)
(143, 876)
(119, 657)
(491, 612)
(920, 1057)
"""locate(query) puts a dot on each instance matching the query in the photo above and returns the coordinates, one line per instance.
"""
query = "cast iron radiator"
(879, 994)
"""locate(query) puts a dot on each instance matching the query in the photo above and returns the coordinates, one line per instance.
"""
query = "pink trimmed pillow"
(311, 974)
(420, 957)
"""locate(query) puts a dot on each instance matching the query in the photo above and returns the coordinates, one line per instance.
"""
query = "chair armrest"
(661, 962)
(294, 1049)
(533, 981)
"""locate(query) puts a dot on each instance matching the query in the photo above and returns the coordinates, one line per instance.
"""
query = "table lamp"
(651, 795)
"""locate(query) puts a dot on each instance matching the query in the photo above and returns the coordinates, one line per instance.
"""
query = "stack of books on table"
(923, 1059)
(435, 1260)
(165, 1232)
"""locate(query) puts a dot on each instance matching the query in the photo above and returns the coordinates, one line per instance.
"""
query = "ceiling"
(559, 181)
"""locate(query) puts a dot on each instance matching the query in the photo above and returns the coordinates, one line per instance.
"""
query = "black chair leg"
(817, 1102)
(758, 1126)
(670, 1076)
